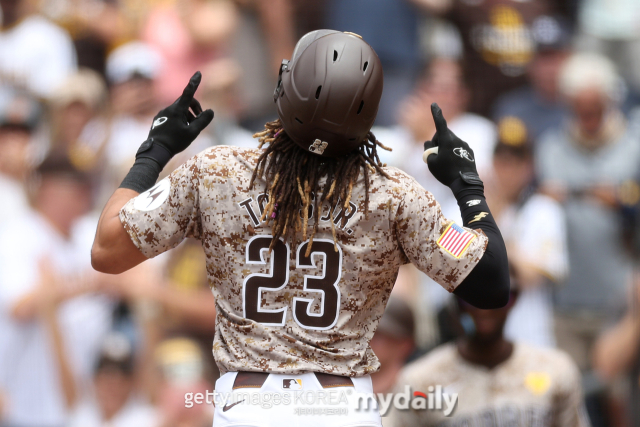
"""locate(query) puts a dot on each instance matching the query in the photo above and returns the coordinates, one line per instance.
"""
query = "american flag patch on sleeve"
(455, 240)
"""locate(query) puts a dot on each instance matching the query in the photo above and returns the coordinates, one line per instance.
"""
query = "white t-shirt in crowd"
(135, 413)
(537, 230)
(14, 199)
(28, 370)
(36, 54)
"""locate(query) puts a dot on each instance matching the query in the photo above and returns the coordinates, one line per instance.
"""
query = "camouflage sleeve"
(443, 250)
(161, 217)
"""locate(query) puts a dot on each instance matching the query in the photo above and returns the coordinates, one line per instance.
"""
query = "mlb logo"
(292, 384)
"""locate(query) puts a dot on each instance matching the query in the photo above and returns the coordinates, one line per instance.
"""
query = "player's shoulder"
(554, 361)
(226, 155)
(397, 179)
(397, 188)
(230, 151)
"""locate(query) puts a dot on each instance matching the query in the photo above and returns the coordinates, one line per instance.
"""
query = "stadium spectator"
(539, 103)
(35, 54)
(616, 356)
(265, 36)
(497, 382)
(77, 118)
(182, 370)
(188, 35)
(398, 46)
(221, 92)
(131, 70)
(498, 41)
(533, 227)
(392, 343)
(581, 165)
(171, 297)
(20, 116)
(96, 26)
(114, 402)
(46, 276)
(178, 295)
(611, 28)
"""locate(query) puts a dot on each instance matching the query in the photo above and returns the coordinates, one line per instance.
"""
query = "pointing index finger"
(189, 91)
(438, 118)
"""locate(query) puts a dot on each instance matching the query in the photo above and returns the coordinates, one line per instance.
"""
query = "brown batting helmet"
(328, 94)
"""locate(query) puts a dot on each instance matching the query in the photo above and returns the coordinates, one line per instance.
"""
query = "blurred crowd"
(545, 92)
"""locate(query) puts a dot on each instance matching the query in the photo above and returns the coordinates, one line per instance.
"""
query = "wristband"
(150, 149)
(467, 185)
(142, 176)
(469, 194)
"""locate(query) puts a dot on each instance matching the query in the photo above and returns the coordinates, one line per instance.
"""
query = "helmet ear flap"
(283, 66)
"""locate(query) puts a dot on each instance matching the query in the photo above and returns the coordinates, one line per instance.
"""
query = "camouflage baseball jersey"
(535, 387)
(284, 312)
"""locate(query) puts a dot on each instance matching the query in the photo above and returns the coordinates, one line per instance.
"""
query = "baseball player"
(304, 235)
(496, 382)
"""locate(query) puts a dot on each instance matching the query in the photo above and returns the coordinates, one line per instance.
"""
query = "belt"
(257, 380)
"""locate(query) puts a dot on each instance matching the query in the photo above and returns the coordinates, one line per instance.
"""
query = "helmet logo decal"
(318, 146)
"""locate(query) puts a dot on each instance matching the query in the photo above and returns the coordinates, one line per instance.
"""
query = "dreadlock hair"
(292, 175)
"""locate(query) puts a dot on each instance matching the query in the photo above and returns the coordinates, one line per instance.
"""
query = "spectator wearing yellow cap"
(182, 370)
(534, 232)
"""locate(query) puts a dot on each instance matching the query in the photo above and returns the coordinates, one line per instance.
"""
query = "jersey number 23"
(326, 285)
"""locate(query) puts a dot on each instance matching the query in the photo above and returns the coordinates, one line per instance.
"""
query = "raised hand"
(175, 127)
(447, 156)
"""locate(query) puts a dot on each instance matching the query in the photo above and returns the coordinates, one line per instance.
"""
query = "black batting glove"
(450, 159)
(175, 127)
(172, 131)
